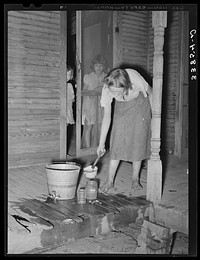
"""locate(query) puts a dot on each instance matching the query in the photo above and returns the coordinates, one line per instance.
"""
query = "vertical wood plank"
(117, 38)
(148, 41)
(154, 171)
(63, 56)
(78, 78)
(182, 51)
(186, 84)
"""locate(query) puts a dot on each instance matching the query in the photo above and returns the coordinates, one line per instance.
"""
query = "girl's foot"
(106, 187)
(136, 185)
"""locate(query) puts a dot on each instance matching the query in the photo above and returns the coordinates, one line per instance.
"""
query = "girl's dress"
(131, 128)
(90, 103)
(70, 100)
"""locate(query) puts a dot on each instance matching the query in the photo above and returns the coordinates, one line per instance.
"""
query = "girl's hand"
(101, 149)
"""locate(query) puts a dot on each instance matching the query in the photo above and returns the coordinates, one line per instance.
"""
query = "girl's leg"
(83, 138)
(86, 136)
(111, 175)
(92, 136)
(135, 177)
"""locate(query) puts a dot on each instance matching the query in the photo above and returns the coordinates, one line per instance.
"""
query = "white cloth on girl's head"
(139, 84)
(137, 80)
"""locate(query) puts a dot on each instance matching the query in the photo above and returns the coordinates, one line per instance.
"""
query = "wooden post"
(154, 172)
(63, 56)
(78, 81)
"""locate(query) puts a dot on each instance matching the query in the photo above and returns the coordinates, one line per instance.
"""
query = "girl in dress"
(70, 96)
(93, 82)
(69, 103)
(131, 129)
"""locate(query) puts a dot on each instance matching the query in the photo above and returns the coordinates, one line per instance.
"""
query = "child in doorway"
(93, 82)
(70, 96)
(69, 103)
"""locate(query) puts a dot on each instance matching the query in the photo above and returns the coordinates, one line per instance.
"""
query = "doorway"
(71, 61)
(94, 37)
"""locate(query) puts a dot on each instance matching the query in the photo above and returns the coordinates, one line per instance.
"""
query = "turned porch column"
(154, 171)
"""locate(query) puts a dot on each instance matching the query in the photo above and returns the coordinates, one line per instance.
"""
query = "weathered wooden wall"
(34, 56)
(137, 50)
(134, 38)
(150, 44)
(33, 87)
(170, 79)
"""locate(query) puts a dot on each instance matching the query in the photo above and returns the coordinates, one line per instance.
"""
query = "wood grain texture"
(134, 38)
(33, 86)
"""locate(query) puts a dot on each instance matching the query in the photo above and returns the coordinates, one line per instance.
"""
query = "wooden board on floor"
(69, 220)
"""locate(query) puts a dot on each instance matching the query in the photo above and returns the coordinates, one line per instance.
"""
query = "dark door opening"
(71, 60)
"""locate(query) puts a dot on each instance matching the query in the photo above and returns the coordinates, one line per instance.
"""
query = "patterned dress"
(89, 106)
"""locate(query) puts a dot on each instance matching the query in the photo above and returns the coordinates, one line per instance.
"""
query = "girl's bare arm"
(150, 94)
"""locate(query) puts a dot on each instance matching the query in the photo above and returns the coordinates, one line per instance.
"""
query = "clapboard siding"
(134, 38)
(170, 76)
(33, 87)
(32, 158)
(49, 16)
(170, 80)
(138, 50)
(150, 44)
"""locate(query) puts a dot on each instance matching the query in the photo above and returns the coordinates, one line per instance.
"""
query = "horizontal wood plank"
(36, 14)
(31, 158)
(33, 21)
(33, 28)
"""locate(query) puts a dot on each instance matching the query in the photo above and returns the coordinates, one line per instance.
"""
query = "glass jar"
(91, 190)
(81, 196)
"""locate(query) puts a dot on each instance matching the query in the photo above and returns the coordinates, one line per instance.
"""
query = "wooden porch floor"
(30, 182)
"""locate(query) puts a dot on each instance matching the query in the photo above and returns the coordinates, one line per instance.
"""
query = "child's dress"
(70, 100)
(89, 107)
